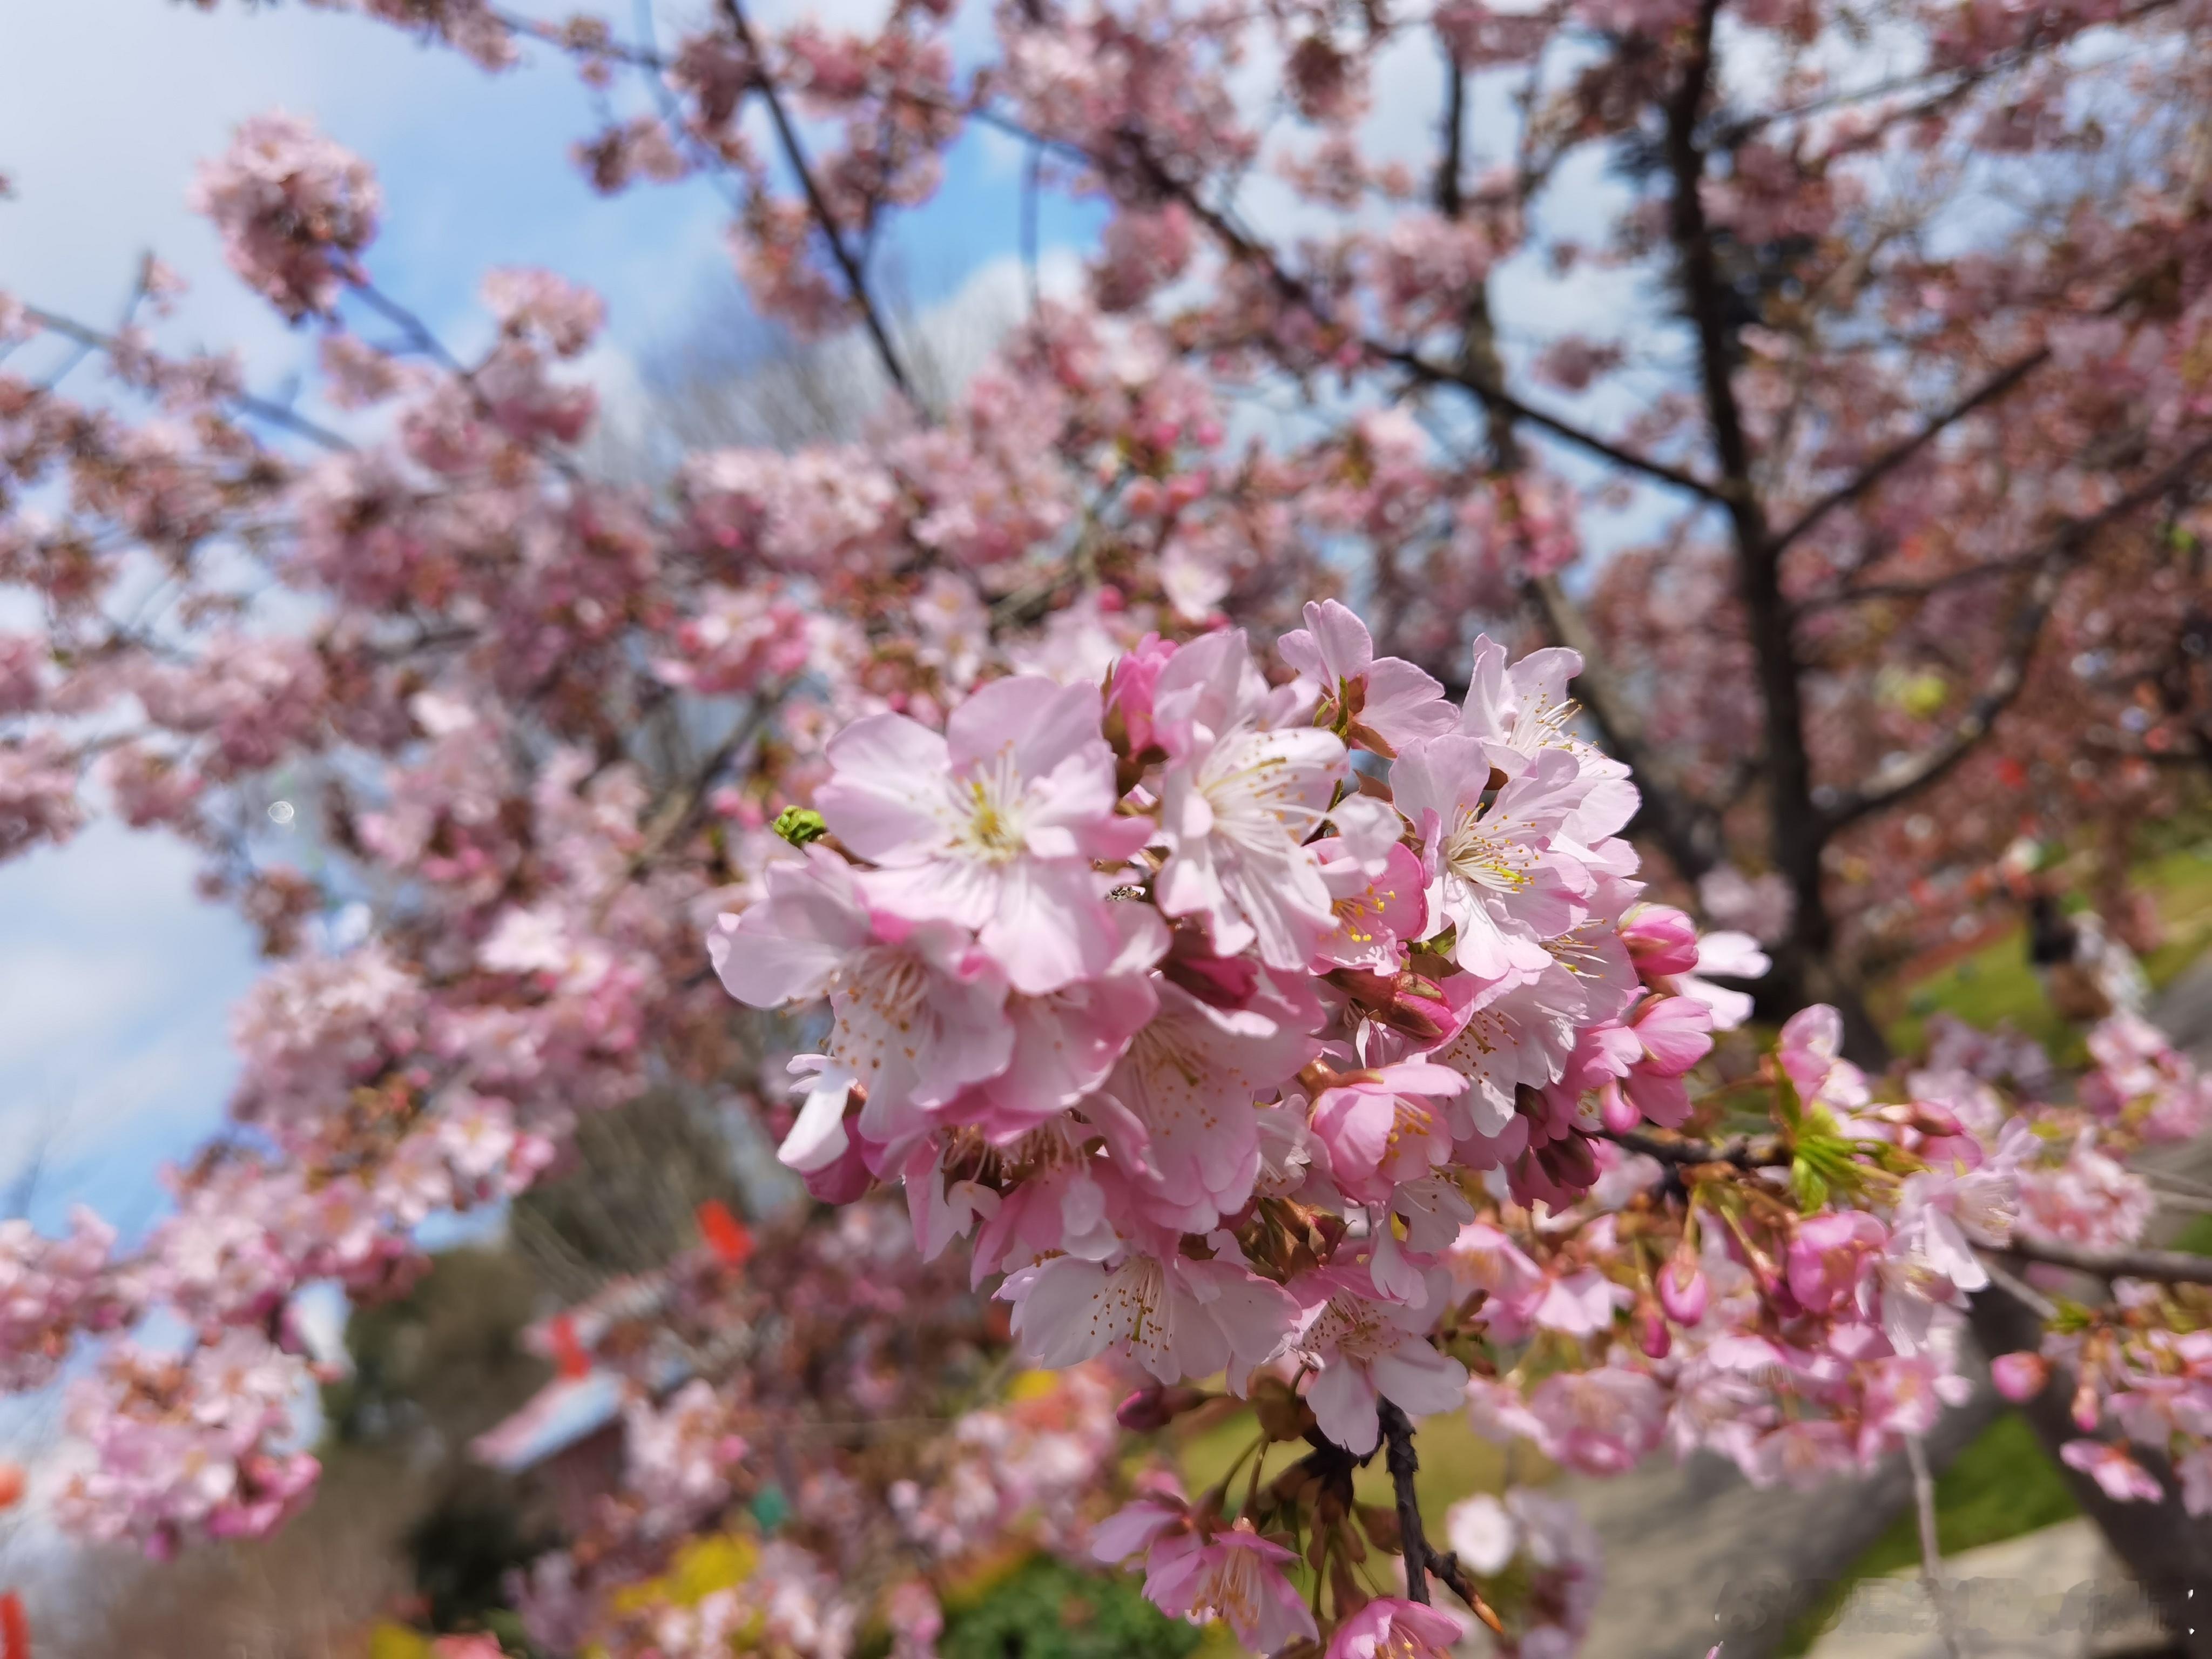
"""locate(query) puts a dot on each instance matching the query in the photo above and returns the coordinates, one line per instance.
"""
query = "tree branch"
(261, 409)
(1892, 783)
(1745, 1152)
(1431, 373)
(795, 155)
(1873, 591)
(1243, 245)
(2162, 1266)
(1903, 451)
(1399, 1459)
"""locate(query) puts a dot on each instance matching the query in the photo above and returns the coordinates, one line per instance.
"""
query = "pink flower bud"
(1661, 941)
(1652, 1334)
(844, 1180)
(1683, 1289)
(1157, 1406)
(2020, 1376)
(1620, 1112)
(1932, 1118)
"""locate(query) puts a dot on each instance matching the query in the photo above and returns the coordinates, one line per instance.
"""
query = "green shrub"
(1046, 1609)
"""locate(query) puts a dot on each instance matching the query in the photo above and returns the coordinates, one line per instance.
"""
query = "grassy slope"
(1997, 984)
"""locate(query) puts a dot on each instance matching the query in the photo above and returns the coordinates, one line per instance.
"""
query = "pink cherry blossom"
(1248, 781)
(1387, 698)
(1390, 1627)
(920, 1009)
(1176, 1317)
(995, 824)
(1367, 1350)
(2123, 1479)
(1499, 879)
(293, 209)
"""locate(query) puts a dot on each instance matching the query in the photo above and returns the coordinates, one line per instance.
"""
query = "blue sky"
(116, 981)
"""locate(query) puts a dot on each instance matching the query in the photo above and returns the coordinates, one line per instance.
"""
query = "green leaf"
(1810, 1186)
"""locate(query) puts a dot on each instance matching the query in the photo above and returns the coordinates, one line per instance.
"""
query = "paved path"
(2054, 1594)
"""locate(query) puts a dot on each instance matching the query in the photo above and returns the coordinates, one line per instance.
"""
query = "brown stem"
(1399, 1460)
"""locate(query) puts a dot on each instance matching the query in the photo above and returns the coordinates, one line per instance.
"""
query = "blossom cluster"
(1304, 1029)
(1241, 1012)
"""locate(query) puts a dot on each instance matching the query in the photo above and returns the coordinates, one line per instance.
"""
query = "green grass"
(1998, 1487)
(1996, 983)
(1457, 1462)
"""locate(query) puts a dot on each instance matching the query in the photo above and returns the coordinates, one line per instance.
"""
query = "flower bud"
(1620, 1112)
(1661, 941)
(1157, 1405)
(2020, 1377)
(1683, 1289)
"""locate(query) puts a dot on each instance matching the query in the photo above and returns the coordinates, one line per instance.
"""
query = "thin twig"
(795, 155)
(1931, 1556)
(260, 408)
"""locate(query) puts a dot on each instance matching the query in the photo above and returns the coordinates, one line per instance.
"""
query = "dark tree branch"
(2164, 1267)
(1873, 591)
(1243, 245)
(1399, 1460)
(1805, 970)
(1745, 1152)
(1426, 373)
(1450, 201)
(1903, 451)
(2053, 561)
(795, 155)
